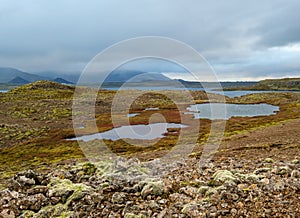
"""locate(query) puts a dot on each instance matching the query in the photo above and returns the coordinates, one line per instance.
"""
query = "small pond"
(232, 110)
(132, 115)
(151, 109)
(141, 132)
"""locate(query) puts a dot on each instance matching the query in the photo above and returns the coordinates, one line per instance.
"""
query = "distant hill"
(116, 77)
(8, 74)
(135, 76)
(14, 77)
(18, 81)
(62, 81)
(69, 76)
(279, 84)
(288, 84)
(215, 85)
(136, 79)
(237, 84)
(42, 84)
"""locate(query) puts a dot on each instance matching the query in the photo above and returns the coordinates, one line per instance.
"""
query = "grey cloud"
(281, 26)
(63, 35)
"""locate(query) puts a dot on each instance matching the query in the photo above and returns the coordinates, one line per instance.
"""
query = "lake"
(200, 111)
(232, 110)
(141, 132)
(232, 94)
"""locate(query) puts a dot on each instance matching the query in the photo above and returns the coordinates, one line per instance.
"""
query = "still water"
(141, 132)
(223, 111)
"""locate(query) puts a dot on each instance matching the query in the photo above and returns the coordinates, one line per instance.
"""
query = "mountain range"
(9, 74)
(15, 77)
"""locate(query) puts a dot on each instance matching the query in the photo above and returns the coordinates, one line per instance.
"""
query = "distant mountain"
(69, 76)
(135, 76)
(62, 81)
(8, 74)
(18, 81)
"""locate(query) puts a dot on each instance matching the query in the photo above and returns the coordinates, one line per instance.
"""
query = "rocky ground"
(255, 172)
(123, 188)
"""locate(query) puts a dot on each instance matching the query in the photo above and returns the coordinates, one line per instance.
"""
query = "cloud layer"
(241, 40)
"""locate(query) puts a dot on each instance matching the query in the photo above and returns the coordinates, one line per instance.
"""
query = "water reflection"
(232, 110)
(141, 132)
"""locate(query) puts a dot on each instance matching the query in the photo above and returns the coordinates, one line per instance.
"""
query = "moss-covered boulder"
(66, 190)
(153, 188)
(222, 176)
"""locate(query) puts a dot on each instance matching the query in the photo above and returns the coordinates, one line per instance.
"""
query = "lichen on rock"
(67, 190)
(222, 176)
(153, 188)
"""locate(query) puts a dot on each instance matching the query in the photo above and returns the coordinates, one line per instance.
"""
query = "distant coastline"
(285, 84)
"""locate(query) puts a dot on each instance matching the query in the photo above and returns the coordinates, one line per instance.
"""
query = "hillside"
(288, 84)
(280, 84)
(44, 85)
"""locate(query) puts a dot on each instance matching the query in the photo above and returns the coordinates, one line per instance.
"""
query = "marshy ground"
(37, 118)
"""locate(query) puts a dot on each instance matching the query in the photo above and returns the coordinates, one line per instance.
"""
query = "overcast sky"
(241, 40)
